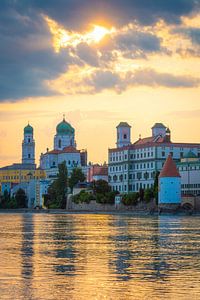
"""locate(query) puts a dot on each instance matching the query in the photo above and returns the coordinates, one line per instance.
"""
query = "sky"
(99, 62)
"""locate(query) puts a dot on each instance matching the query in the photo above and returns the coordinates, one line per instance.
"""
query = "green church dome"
(28, 129)
(64, 128)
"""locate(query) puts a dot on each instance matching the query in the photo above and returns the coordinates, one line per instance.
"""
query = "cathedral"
(64, 150)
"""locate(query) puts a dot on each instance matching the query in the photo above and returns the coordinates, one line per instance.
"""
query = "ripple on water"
(88, 256)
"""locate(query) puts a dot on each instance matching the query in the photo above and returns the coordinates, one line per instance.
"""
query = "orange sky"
(104, 84)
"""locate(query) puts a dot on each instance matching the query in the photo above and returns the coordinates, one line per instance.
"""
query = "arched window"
(59, 144)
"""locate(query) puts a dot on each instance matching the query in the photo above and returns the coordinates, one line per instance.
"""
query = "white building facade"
(189, 169)
(64, 150)
(135, 166)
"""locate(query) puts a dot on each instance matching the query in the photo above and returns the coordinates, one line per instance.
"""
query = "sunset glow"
(99, 65)
(63, 38)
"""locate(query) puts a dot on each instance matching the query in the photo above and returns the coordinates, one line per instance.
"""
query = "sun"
(63, 38)
(97, 34)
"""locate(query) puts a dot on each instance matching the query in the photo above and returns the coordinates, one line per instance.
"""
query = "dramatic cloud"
(77, 14)
(29, 61)
(101, 80)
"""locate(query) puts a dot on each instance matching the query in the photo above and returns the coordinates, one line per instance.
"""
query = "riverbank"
(102, 212)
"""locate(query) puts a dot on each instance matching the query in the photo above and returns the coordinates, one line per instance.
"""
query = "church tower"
(28, 146)
(123, 134)
(65, 135)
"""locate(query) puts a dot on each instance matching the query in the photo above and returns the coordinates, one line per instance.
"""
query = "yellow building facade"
(20, 175)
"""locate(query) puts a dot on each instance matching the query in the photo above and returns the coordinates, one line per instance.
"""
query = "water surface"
(88, 256)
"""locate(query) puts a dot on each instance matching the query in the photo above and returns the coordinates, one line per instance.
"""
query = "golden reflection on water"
(88, 256)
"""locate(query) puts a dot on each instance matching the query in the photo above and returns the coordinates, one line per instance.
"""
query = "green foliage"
(76, 176)
(58, 189)
(12, 203)
(148, 195)
(141, 194)
(4, 199)
(130, 199)
(83, 197)
(101, 195)
(21, 198)
(155, 186)
(101, 198)
(101, 187)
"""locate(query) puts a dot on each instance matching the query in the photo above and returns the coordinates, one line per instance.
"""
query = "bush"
(130, 199)
(101, 198)
(148, 195)
(83, 197)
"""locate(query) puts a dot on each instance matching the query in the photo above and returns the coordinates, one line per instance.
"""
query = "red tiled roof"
(70, 149)
(144, 141)
(53, 152)
(169, 168)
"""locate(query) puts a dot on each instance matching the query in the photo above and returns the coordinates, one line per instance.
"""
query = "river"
(99, 256)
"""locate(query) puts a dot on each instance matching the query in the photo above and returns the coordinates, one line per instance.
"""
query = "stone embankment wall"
(94, 206)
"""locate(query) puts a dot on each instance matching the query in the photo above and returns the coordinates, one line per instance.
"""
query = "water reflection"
(99, 257)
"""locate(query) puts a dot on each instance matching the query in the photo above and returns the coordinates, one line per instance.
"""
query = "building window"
(29, 140)
(125, 136)
(59, 144)
(163, 154)
(29, 156)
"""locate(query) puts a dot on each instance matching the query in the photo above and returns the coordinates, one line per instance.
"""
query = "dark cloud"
(102, 80)
(152, 78)
(138, 44)
(26, 56)
(133, 40)
(87, 54)
(77, 13)
(27, 59)
(192, 33)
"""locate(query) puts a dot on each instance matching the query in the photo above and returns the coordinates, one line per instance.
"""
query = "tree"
(141, 194)
(58, 189)
(5, 199)
(76, 176)
(83, 197)
(21, 198)
(148, 194)
(155, 186)
(101, 187)
(130, 198)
